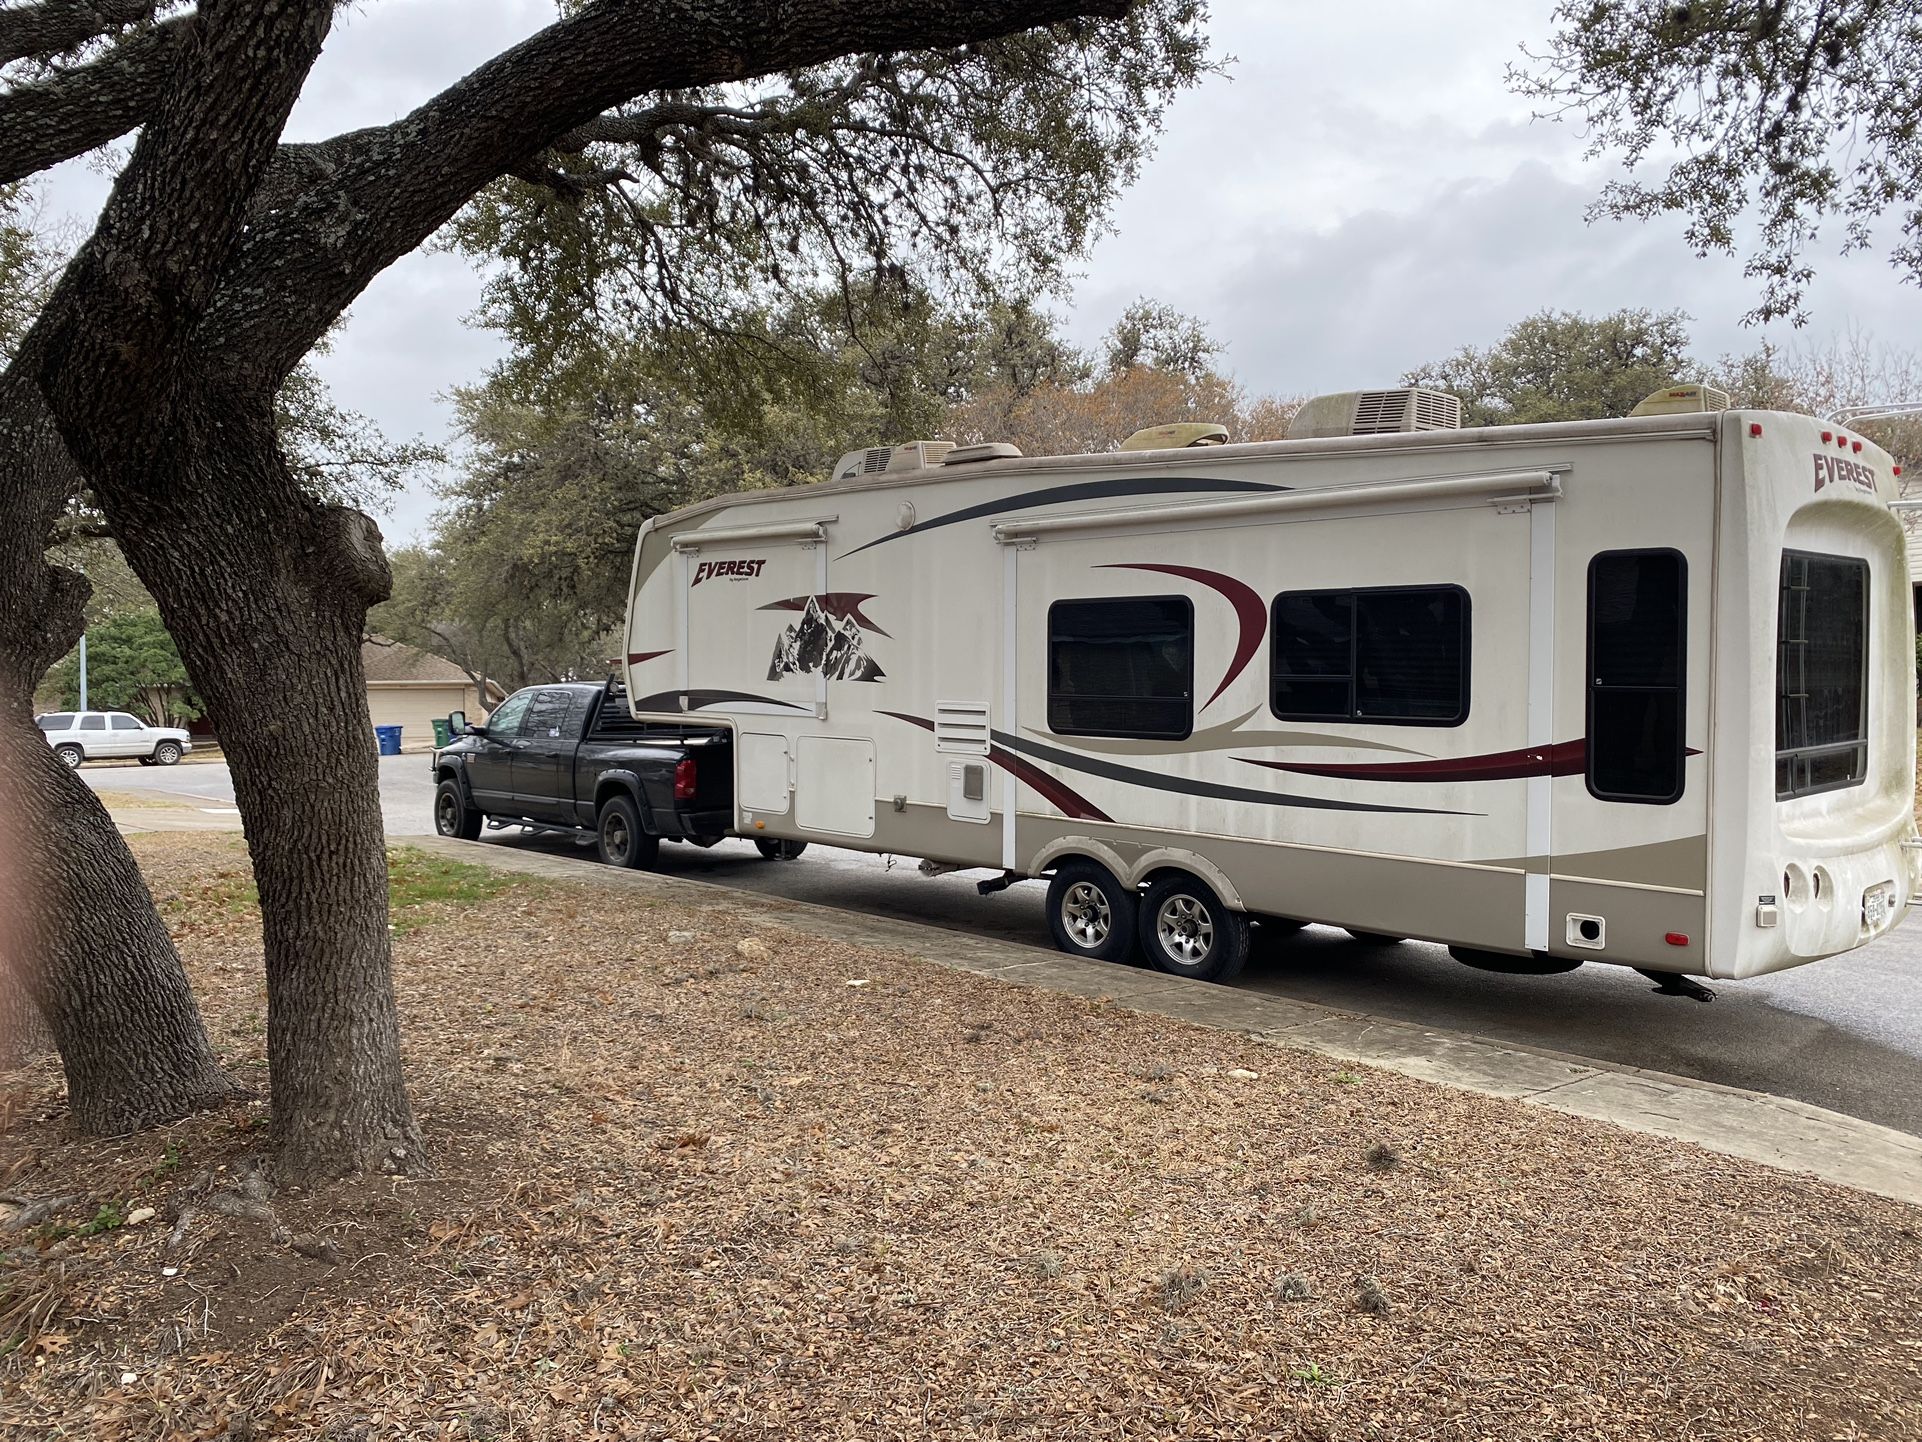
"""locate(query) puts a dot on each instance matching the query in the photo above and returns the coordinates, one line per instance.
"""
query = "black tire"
(772, 850)
(1375, 938)
(167, 753)
(1186, 930)
(1090, 913)
(70, 755)
(146, 760)
(621, 838)
(453, 816)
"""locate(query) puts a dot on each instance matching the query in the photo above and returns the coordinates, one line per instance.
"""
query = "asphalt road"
(1844, 1034)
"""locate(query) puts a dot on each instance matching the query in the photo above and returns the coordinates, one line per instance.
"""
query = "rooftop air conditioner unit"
(1683, 400)
(879, 460)
(1373, 413)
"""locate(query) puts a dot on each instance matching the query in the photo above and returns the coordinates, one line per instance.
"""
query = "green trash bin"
(443, 733)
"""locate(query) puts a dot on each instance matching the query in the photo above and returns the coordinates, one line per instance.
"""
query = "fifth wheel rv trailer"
(1637, 691)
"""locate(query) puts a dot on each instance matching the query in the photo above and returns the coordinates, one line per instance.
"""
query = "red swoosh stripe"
(634, 658)
(1564, 758)
(1068, 802)
(1251, 612)
(842, 605)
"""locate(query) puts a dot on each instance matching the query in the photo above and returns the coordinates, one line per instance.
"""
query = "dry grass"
(694, 1188)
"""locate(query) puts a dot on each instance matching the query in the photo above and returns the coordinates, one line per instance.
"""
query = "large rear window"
(1821, 674)
(58, 721)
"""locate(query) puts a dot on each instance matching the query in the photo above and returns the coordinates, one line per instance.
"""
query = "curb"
(1775, 1131)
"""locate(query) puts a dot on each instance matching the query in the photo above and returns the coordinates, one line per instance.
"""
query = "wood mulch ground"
(695, 1183)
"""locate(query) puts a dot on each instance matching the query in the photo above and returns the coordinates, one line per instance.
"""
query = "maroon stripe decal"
(842, 605)
(634, 658)
(1251, 612)
(1068, 802)
(1564, 758)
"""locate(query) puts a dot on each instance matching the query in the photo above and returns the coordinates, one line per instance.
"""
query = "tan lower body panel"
(1636, 922)
(1431, 901)
(918, 831)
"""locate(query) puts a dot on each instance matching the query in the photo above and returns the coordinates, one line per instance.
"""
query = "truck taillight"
(684, 779)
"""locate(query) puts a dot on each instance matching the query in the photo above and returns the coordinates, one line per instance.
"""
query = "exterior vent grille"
(1437, 411)
(879, 460)
(1379, 411)
(962, 727)
(875, 459)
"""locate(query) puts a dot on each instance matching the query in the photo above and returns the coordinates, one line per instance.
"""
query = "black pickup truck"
(568, 758)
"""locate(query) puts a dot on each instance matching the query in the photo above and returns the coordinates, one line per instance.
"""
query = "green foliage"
(975, 174)
(1560, 366)
(1794, 111)
(131, 666)
(341, 456)
(28, 267)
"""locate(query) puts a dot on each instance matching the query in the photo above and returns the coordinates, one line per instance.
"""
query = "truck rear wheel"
(1188, 931)
(452, 815)
(1090, 913)
(621, 838)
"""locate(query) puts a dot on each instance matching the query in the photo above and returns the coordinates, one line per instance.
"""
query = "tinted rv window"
(1392, 656)
(1821, 674)
(1122, 666)
(1637, 628)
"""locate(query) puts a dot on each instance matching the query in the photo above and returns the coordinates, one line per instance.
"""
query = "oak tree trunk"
(85, 961)
(266, 593)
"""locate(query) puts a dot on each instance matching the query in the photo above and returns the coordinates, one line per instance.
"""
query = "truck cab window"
(1393, 656)
(506, 718)
(554, 714)
(1821, 674)
(1637, 635)
(1122, 666)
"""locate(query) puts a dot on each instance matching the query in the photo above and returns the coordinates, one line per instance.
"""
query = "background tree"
(132, 665)
(1798, 112)
(1560, 366)
(692, 162)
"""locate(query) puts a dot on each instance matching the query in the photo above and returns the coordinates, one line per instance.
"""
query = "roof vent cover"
(1683, 400)
(1374, 413)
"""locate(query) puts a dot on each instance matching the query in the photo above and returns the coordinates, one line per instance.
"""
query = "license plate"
(1878, 903)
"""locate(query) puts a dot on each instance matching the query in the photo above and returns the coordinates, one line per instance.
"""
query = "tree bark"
(271, 636)
(81, 945)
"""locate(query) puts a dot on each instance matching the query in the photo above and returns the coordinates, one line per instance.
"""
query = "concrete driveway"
(1843, 1034)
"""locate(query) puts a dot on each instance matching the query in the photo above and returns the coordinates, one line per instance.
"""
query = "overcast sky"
(1357, 195)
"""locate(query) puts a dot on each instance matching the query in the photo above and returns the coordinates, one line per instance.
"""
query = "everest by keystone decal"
(1833, 470)
(738, 570)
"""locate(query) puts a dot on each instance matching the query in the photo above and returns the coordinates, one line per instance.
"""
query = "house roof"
(389, 662)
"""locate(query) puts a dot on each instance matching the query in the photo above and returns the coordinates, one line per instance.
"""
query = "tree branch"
(80, 110)
(298, 269)
(54, 27)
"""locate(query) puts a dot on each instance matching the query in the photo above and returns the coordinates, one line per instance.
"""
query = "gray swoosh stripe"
(1157, 781)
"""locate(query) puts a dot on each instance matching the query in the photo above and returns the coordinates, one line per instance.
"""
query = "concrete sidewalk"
(1773, 1130)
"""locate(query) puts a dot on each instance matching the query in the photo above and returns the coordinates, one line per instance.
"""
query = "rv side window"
(1394, 656)
(1637, 629)
(1821, 674)
(1122, 666)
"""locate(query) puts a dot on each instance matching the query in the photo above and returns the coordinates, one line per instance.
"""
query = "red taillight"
(684, 779)
(1676, 938)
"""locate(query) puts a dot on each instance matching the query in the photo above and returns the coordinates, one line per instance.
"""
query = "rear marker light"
(1755, 428)
(1676, 938)
(1827, 436)
(1898, 470)
(1856, 446)
(1841, 443)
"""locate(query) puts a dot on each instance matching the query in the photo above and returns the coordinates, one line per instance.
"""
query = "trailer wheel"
(621, 838)
(1188, 931)
(1090, 913)
(1375, 938)
(779, 850)
(452, 815)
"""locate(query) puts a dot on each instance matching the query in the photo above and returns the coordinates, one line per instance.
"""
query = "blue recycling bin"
(389, 739)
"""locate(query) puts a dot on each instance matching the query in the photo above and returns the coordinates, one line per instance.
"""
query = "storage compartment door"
(836, 784)
(765, 777)
(755, 635)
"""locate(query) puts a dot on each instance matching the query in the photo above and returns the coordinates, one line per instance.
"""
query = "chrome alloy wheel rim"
(448, 816)
(1085, 915)
(617, 838)
(1185, 929)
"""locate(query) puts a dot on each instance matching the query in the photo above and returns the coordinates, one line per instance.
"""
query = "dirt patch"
(699, 1183)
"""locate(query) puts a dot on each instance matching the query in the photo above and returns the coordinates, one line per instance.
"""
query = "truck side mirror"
(457, 723)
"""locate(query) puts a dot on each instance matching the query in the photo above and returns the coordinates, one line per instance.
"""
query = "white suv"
(78, 736)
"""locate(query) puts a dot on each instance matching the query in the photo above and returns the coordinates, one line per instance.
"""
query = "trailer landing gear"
(1673, 983)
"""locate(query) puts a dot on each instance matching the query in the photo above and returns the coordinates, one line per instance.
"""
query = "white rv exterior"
(1638, 691)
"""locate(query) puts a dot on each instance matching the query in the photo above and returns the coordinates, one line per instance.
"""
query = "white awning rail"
(1495, 488)
(815, 530)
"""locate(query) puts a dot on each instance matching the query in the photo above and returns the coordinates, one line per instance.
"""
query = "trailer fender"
(628, 784)
(1170, 858)
(1051, 855)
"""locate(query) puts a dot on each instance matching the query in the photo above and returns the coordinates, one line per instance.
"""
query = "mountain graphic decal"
(823, 645)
